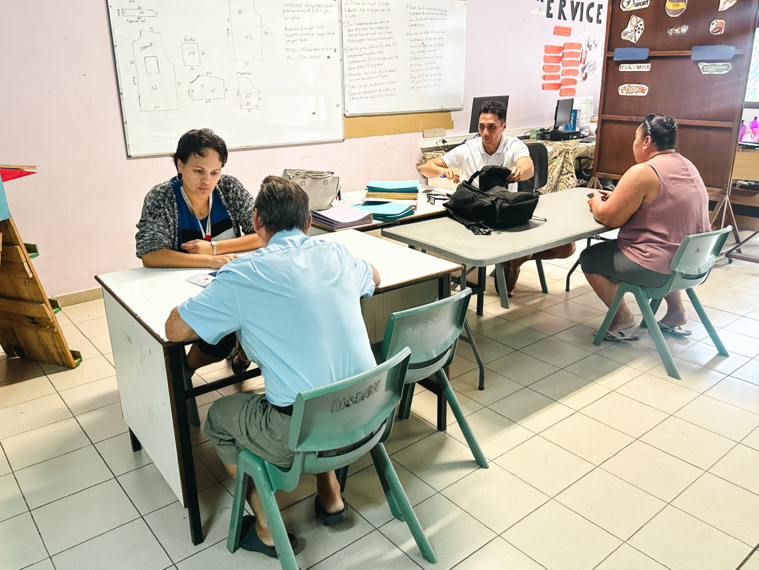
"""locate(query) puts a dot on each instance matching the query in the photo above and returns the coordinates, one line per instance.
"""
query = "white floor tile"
(11, 500)
(438, 460)
(84, 515)
(499, 555)
(689, 442)
(20, 543)
(129, 546)
(557, 537)
(55, 478)
(682, 542)
(117, 453)
(371, 551)
(103, 423)
(44, 443)
(90, 396)
(23, 390)
(31, 415)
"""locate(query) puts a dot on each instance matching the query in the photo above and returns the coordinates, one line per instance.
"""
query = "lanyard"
(207, 231)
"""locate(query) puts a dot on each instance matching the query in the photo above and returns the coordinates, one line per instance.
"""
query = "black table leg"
(134, 442)
(179, 371)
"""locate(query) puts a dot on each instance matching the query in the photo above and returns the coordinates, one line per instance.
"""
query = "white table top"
(151, 293)
(567, 212)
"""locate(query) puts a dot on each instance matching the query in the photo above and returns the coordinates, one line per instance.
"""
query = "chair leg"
(404, 408)
(342, 476)
(610, 315)
(655, 332)
(238, 509)
(503, 292)
(382, 462)
(706, 322)
(470, 339)
(389, 496)
(542, 276)
(450, 396)
(274, 518)
(569, 275)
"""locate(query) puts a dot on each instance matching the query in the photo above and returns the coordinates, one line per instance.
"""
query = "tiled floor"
(597, 458)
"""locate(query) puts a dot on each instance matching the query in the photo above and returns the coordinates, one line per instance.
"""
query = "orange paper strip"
(551, 68)
(551, 59)
(551, 86)
(570, 72)
(552, 77)
(567, 92)
(571, 55)
(570, 62)
(553, 49)
(562, 31)
(573, 45)
(567, 81)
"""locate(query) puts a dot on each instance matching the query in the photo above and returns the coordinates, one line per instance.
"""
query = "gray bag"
(321, 186)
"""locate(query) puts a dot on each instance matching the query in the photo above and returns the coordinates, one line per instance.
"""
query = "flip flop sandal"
(618, 336)
(674, 331)
(252, 542)
(330, 519)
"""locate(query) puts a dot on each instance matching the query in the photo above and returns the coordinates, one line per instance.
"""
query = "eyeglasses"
(432, 197)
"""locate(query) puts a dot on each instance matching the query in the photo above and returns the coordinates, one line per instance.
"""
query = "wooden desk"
(151, 371)
(569, 219)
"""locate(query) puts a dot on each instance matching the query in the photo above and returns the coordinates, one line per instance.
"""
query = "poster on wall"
(259, 73)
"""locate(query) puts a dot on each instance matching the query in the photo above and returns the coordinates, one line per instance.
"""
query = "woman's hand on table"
(200, 246)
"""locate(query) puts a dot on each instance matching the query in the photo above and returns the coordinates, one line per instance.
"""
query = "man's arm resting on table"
(375, 276)
(177, 330)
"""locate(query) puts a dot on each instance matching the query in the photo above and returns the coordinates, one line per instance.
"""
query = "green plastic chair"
(431, 332)
(690, 267)
(348, 419)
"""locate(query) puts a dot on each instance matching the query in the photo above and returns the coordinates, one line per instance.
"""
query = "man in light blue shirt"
(295, 305)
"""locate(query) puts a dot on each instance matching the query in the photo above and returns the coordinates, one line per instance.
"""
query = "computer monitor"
(563, 114)
(477, 106)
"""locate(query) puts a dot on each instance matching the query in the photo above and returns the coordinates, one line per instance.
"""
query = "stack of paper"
(399, 190)
(340, 217)
(387, 211)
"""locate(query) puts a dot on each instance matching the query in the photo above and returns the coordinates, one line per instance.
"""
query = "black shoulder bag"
(491, 206)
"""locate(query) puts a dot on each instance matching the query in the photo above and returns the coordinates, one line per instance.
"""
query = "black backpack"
(491, 206)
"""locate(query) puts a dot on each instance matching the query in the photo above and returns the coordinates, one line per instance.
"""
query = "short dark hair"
(494, 108)
(196, 142)
(281, 205)
(661, 129)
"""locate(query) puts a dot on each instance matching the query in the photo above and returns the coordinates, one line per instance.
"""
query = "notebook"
(339, 217)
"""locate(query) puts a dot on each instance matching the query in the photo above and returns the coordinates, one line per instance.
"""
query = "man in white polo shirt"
(493, 148)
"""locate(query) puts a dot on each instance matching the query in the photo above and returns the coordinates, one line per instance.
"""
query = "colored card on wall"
(4, 212)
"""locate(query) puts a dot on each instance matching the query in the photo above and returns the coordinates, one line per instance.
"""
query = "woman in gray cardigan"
(198, 219)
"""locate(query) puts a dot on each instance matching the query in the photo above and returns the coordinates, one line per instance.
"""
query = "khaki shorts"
(249, 421)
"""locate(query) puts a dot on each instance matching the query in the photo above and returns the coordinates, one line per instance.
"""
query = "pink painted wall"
(59, 110)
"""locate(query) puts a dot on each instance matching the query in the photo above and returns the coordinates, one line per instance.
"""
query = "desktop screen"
(563, 114)
(477, 105)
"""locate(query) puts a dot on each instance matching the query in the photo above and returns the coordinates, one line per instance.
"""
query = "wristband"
(213, 247)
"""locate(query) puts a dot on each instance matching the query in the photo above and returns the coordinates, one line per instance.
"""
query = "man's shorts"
(249, 421)
(606, 259)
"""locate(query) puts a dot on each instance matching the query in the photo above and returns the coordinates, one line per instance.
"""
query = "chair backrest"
(695, 257)
(539, 156)
(346, 418)
(430, 331)
(692, 262)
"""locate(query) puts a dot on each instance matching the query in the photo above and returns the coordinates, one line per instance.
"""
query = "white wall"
(59, 109)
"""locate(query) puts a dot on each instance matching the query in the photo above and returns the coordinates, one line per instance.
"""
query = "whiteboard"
(403, 56)
(257, 72)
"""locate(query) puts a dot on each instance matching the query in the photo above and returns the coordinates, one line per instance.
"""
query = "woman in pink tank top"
(655, 205)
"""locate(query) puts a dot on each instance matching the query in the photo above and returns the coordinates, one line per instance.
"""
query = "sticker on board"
(725, 4)
(635, 67)
(634, 29)
(674, 9)
(633, 90)
(588, 70)
(717, 27)
(677, 30)
(714, 68)
(629, 5)
(591, 42)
